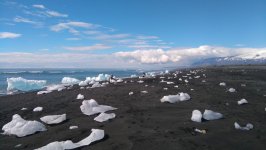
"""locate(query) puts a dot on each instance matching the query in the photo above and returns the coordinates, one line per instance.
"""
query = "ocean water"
(54, 76)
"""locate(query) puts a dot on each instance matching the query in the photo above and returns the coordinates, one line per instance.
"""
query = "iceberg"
(211, 115)
(175, 98)
(22, 84)
(53, 119)
(104, 117)
(20, 127)
(96, 135)
(91, 107)
(196, 116)
(70, 81)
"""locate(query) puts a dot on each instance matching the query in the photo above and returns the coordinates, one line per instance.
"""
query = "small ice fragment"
(24, 108)
(43, 92)
(175, 98)
(91, 107)
(80, 96)
(248, 126)
(203, 81)
(144, 92)
(232, 90)
(176, 86)
(20, 127)
(53, 119)
(200, 131)
(18, 145)
(170, 83)
(222, 84)
(130, 93)
(165, 89)
(242, 101)
(104, 117)
(37, 109)
(211, 115)
(73, 127)
(243, 85)
(186, 81)
(140, 81)
(146, 85)
(196, 116)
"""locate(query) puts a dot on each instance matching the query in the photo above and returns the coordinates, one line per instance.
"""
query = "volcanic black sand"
(143, 122)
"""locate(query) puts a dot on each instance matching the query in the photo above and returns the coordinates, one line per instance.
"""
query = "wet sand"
(142, 122)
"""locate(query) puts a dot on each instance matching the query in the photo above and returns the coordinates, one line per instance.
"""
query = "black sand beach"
(142, 122)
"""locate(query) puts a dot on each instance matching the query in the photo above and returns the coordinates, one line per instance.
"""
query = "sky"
(127, 34)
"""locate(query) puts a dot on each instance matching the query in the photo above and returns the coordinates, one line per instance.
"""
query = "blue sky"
(110, 29)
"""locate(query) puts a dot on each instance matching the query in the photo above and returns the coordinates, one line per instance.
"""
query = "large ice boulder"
(211, 115)
(22, 84)
(96, 134)
(53, 119)
(70, 81)
(175, 98)
(91, 107)
(20, 127)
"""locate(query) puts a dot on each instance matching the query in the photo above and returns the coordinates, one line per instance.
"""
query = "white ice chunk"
(80, 96)
(73, 127)
(91, 107)
(96, 134)
(165, 89)
(24, 108)
(83, 83)
(248, 126)
(144, 92)
(119, 80)
(140, 81)
(176, 98)
(20, 127)
(211, 115)
(22, 84)
(37, 109)
(232, 90)
(242, 101)
(70, 81)
(196, 116)
(55, 87)
(130, 93)
(104, 117)
(222, 84)
(96, 84)
(170, 83)
(43, 92)
(53, 119)
(176, 86)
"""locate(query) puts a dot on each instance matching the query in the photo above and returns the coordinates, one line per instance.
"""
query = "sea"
(54, 76)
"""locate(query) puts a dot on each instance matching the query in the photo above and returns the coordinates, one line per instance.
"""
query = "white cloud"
(111, 36)
(55, 14)
(25, 20)
(72, 39)
(71, 26)
(9, 35)
(39, 6)
(143, 37)
(88, 48)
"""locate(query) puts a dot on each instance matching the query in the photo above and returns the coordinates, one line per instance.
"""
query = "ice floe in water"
(242, 101)
(222, 84)
(70, 81)
(248, 126)
(20, 127)
(175, 98)
(91, 107)
(232, 90)
(22, 84)
(211, 115)
(53, 119)
(104, 117)
(80, 96)
(37, 109)
(96, 134)
(196, 116)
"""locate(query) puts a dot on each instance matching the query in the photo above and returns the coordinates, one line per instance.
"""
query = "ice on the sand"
(37, 109)
(73, 127)
(24, 108)
(222, 84)
(83, 83)
(175, 98)
(70, 81)
(53, 119)
(248, 126)
(196, 116)
(50, 88)
(96, 135)
(20, 127)
(43, 92)
(96, 84)
(80, 96)
(144, 92)
(140, 81)
(170, 82)
(211, 115)
(22, 84)
(242, 101)
(232, 90)
(104, 117)
(130, 93)
(91, 107)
